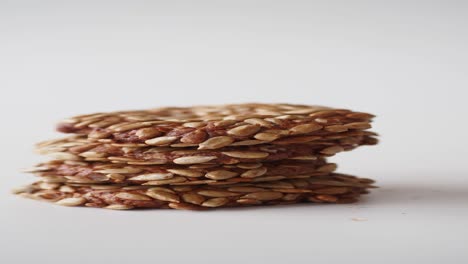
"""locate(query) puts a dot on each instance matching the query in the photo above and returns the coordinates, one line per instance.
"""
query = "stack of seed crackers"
(202, 157)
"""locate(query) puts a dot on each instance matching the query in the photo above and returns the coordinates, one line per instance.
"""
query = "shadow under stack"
(202, 157)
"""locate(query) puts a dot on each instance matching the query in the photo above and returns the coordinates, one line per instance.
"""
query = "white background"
(405, 61)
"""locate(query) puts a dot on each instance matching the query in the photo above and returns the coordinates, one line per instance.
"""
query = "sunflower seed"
(163, 196)
(332, 190)
(254, 173)
(266, 136)
(336, 128)
(188, 173)
(246, 154)
(159, 141)
(332, 150)
(244, 130)
(263, 196)
(71, 201)
(193, 159)
(183, 206)
(167, 181)
(119, 207)
(161, 189)
(327, 198)
(131, 126)
(305, 128)
(152, 177)
(290, 197)
(66, 189)
(132, 196)
(245, 189)
(258, 121)
(64, 156)
(146, 133)
(212, 193)
(215, 202)
(193, 198)
(120, 170)
(216, 142)
(248, 201)
(220, 174)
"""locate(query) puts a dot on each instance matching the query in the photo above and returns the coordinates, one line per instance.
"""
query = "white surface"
(404, 61)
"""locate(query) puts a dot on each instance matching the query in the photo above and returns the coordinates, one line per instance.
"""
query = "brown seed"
(358, 125)
(281, 184)
(194, 124)
(216, 142)
(71, 201)
(245, 189)
(248, 166)
(193, 159)
(290, 196)
(258, 121)
(152, 177)
(92, 154)
(263, 196)
(160, 189)
(163, 196)
(121, 170)
(213, 193)
(194, 137)
(146, 133)
(168, 181)
(193, 198)
(183, 206)
(119, 207)
(160, 141)
(132, 196)
(248, 201)
(64, 156)
(305, 128)
(327, 167)
(131, 126)
(254, 173)
(215, 202)
(247, 143)
(332, 150)
(332, 190)
(327, 198)
(221, 174)
(336, 128)
(243, 131)
(188, 173)
(266, 136)
(246, 154)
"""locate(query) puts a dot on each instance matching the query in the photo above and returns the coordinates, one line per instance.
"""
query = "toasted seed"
(258, 121)
(193, 198)
(276, 185)
(221, 174)
(131, 126)
(48, 185)
(266, 136)
(243, 131)
(253, 173)
(358, 125)
(245, 189)
(263, 196)
(193, 159)
(163, 196)
(246, 154)
(216, 142)
(159, 141)
(146, 133)
(66, 189)
(332, 150)
(152, 177)
(212, 193)
(194, 124)
(327, 198)
(269, 178)
(327, 167)
(92, 154)
(249, 166)
(183, 206)
(336, 128)
(119, 207)
(290, 196)
(305, 128)
(304, 158)
(167, 181)
(215, 202)
(160, 189)
(132, 196)
(332, 190)
(72, 201)
(121, 170)
(248, 142)
(248, 201)
(188, 173)
(64, 156)
(116, 176)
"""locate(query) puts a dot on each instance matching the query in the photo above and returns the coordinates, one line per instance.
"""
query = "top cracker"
(213, 127)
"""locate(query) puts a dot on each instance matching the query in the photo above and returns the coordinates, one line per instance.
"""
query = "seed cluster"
(202, 157)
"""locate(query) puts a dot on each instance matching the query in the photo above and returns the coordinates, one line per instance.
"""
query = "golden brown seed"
(263, 196)
(246, 154)
(243, 131)
(221, 174)
(215, 202)
(305, 128)
(132, 196)
(193, 159)
(188, 173)
(159, 141)
(266, 136)
(71, 201)
(212, 193)
(152, 177)
(163, 196)
(216, 142)
(254, 173)
(193, 198)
